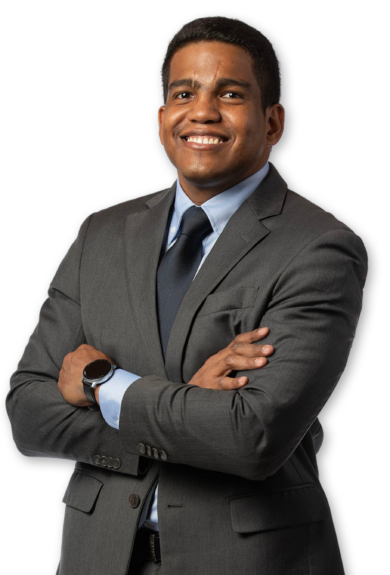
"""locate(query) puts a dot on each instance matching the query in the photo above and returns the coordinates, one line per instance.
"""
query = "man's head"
(221, 80)
(231, 31)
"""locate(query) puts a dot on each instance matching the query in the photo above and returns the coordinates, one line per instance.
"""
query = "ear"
(275, 122)
(160, 123)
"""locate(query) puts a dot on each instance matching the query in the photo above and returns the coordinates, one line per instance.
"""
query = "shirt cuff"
(111, 395)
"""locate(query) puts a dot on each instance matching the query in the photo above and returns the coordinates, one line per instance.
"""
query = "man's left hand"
(70, 380)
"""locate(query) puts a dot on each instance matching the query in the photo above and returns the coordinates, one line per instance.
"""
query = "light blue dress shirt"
(219, 210)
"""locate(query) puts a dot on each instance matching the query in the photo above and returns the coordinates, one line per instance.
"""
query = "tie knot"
(195, 223)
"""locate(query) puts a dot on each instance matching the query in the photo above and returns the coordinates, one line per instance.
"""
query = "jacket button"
(96, 459)
(103, 461)
(116, 463)
(148, 450)
(155, 452)
(134, 500)
(142, 448)
(163, 455)
(110, 462)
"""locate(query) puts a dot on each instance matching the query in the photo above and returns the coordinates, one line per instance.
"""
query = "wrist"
(96, 373)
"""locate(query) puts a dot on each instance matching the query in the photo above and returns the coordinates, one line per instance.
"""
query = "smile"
(205, 142)
(204, 139)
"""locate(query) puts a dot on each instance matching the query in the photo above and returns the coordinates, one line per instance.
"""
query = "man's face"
(213, 94)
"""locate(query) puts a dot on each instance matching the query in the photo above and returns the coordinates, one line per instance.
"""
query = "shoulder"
(300, 226)
(317, 221)
(122, 210)
(300, 209)
(305, 219)
(292, 216)
(113, 218)
(318, 239)
(302, 222)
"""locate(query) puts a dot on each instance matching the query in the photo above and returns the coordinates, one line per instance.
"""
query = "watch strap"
(89, 392)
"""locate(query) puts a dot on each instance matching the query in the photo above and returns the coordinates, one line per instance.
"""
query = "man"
(202, 456)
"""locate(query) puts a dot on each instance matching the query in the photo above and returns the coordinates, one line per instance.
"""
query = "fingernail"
(267, 348)
(261, 329)
(259, 360)
(242, 380)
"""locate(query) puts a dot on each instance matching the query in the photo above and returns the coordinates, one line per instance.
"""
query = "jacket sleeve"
(251, 432)
(43, 423)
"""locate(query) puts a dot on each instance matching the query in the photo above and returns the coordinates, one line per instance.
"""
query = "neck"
(201, 193)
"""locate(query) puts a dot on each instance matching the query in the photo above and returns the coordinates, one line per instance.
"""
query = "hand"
(240, 354)
(70, 380)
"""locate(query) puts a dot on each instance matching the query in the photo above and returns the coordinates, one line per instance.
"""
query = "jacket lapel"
(243, 231)
(143, 240)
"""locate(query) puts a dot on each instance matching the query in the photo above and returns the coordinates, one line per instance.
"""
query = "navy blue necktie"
(178, 267)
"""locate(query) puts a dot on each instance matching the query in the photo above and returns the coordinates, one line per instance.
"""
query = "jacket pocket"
(236, 298)
(275, 510)
(82, 491)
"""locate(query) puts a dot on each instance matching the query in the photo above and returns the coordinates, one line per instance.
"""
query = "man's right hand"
(240, 354)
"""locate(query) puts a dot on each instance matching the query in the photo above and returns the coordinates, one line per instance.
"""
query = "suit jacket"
(239, 490)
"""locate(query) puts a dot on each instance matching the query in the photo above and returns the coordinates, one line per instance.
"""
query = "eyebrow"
(221, 83)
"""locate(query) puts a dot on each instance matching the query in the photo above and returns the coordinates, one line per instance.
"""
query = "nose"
(204, 109)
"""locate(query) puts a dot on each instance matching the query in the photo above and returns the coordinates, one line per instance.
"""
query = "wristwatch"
(94, 374)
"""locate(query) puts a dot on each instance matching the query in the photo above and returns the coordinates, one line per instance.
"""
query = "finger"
(251, 336)
(250, 349)
(235, 362)
(85, 346)
(226, 383)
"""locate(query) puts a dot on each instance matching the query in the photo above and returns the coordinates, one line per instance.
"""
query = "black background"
(84, 89)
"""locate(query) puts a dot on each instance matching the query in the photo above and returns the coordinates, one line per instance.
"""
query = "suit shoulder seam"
(133, 205)
(303, 248)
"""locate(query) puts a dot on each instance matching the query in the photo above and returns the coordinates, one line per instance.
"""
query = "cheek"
(252, 140)
(253, 132)
(249, 124)
(171, 124)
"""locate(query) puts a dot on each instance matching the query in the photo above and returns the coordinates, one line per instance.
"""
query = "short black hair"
(231, 31)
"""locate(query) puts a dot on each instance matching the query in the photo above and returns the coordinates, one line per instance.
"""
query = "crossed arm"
(248, 430)
(240, 354)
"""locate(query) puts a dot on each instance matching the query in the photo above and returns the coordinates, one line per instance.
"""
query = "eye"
(183, 95)
(234, 94)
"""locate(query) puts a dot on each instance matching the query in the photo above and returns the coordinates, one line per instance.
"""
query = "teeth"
(204, 140)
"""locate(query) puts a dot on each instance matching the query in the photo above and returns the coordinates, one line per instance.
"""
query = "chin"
(203, 176)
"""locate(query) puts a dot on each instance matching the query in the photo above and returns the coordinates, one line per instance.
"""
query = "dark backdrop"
(84, 91)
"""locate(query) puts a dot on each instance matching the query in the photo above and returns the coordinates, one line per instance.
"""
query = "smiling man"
(190, 340)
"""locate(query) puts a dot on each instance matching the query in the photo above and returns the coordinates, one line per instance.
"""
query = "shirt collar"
(221, 207)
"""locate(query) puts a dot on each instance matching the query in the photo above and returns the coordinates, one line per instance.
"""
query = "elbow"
(253, 473)
(20, 439)
(19, 415)
(261, 458)
(22, 448)
(256, 470)
(25, 442)
(15, 429)
(264, 445)
(260, 471)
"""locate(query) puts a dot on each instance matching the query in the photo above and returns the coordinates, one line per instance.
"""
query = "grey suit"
(238, 481)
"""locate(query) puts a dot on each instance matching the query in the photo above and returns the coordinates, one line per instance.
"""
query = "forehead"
(207, 61)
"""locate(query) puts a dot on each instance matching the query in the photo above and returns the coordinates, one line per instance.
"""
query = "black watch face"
(97, 369)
